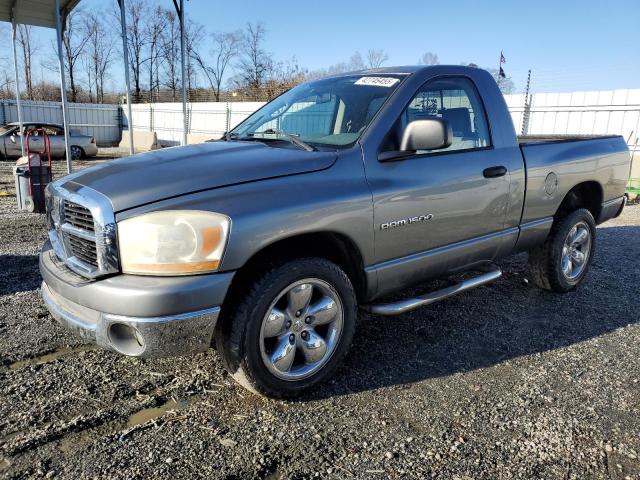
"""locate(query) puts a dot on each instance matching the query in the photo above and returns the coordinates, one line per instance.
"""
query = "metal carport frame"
(53, 14)
(40, 13)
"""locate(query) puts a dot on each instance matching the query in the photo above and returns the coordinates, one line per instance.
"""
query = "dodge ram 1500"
(329, 197)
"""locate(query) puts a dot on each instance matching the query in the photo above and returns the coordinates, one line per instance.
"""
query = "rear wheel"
(292, 328)
(562, 262)
(76, 152)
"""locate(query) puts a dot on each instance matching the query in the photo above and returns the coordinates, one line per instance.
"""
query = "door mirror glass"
(427, 134)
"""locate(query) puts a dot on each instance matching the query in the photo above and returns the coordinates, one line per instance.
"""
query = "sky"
(568, 45)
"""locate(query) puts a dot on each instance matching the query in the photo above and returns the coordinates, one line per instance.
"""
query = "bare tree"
(6, 74)
(288, 73)
(375, 58)
(89, 80)
(156, 24)
(226, 47)
(505, 84)
(355, 63)
(99, 54)
(256, 63)
(27, 47)
(137, 13)
(6, 85)
(74, 40)
(170, 51)
(283, 76)
(193, 36)
(429, 58)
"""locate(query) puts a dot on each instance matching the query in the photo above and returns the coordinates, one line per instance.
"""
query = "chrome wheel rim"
(576, 250)
(301, 329)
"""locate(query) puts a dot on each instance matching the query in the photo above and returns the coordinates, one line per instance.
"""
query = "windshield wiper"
(271, 131)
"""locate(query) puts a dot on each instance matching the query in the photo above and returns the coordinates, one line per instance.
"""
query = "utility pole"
(125, 56)
(180, 11)
(22, 135)
(527, 106)
(63, 87)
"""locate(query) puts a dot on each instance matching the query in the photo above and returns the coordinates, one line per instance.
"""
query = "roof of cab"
(403, 70)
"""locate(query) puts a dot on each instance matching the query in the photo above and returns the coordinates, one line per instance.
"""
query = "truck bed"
(570, 160)
(527, 139)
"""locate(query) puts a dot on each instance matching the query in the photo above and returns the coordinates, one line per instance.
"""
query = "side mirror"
(13, 138)
(430, 134)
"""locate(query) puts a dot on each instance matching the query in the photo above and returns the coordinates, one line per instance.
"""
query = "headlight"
(172, 242)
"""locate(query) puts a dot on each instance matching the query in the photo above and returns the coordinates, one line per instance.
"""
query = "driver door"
(438, 210)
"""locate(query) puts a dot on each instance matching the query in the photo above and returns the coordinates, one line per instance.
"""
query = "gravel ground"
(503, 382)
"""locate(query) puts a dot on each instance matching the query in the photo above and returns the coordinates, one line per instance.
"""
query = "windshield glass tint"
(332, 112)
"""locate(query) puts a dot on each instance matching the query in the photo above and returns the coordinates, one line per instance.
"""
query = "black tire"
(77, 153)
(545, 261)
(238, 338)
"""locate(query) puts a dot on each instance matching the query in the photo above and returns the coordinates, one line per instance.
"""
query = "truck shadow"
(507, 319)
(19, 273)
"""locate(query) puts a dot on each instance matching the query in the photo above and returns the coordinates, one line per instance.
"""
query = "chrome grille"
(84, 250)
(82, 229)
(78, 216)
(81, 239)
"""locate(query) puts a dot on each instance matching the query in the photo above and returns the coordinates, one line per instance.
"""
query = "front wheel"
(561, 263)
(291, 329)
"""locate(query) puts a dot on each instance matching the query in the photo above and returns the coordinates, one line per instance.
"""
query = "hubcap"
(576, 250)
(301, 329)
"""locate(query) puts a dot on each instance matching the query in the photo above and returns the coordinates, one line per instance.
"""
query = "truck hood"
(161, 174)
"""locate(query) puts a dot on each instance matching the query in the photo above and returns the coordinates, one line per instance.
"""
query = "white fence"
(581, 113)
(615, 112)
(101, 121)
(599, 112)
(203, 118)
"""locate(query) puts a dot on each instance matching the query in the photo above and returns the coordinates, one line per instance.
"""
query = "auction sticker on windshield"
(377, 81)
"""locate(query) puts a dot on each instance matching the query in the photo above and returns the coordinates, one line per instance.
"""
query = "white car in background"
(81, 145)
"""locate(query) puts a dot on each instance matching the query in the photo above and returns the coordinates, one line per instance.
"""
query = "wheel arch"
(333, 246)
(587, 195)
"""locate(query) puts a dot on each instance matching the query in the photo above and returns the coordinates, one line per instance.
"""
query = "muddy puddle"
(147, 414)
(50, 357)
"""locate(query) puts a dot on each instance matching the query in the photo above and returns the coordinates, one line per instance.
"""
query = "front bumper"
(135, 315)
(136, 336)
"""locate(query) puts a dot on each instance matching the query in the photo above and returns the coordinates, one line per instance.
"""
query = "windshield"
(6, 128)
(332, 112)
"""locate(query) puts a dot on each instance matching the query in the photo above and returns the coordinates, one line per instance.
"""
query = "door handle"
(494, 172)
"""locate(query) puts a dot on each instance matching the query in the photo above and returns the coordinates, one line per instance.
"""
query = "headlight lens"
(172, 242)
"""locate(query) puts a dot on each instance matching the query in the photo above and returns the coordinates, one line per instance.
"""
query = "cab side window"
(51, 130)
(457, 101)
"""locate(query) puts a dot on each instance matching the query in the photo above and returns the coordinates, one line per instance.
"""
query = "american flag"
(502, 59)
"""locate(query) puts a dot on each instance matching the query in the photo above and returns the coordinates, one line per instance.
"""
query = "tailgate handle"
(494, 172)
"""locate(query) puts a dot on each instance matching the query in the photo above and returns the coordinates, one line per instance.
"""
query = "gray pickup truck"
(333, 195)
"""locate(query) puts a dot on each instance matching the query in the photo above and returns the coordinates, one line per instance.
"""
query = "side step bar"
(402, 306)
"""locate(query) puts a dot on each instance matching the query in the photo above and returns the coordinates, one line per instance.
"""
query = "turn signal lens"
(173, 242)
